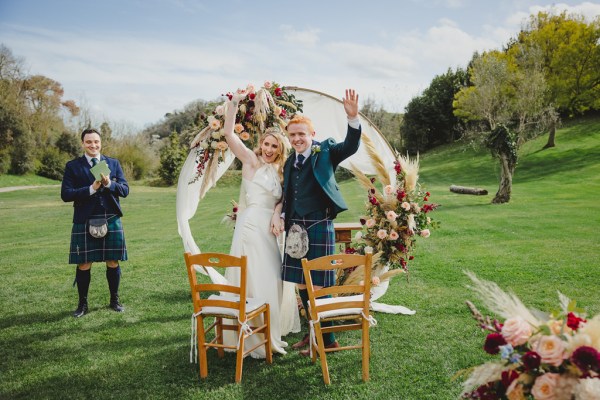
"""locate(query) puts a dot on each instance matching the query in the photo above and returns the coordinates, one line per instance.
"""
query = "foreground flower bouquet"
(397, 215)
(540, 356)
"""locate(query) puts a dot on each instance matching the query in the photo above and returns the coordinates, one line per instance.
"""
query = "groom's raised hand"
(351, 103)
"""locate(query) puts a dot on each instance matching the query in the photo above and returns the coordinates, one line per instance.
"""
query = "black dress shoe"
(115, 304)
(82, 309)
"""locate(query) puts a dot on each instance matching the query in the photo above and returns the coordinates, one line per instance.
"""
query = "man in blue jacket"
(96, 200)
(312, 197)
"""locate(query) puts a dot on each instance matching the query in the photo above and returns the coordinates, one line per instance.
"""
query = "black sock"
(83, 283)
(113, 276)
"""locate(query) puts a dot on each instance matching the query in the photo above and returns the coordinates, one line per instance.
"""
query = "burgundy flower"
(486, 392)
(411, 257)
(363, 221)
(372, 180)
(372, 191)
(251, 96)
(401, 194)
(350, 250)
(235, 209)
(400, 247)
(587, 359)
(229, 95)
(507, 378)
(427, 194)
(531, 360)
(373, 200)
(283, 113)
(397, 167)
(278, 91)
(573, 321)
(492, 343)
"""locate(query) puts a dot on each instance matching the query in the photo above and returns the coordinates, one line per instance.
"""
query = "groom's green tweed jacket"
(324, 163)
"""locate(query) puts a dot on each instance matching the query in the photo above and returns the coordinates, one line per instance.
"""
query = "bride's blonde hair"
(282, 149)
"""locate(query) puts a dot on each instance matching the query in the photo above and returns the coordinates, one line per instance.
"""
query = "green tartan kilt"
(321, 242)
(86, 249)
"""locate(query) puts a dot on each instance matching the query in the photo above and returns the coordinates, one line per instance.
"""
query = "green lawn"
(546, 239)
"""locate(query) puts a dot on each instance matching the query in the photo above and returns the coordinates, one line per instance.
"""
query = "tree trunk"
(467, 190)
(551, 135)
(505, 188)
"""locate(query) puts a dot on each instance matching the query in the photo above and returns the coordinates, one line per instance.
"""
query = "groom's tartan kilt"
(321, 242)
(86, 249)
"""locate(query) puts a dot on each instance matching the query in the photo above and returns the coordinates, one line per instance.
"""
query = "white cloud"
(308, 37)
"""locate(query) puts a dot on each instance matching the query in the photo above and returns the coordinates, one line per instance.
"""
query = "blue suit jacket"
(76, 188)
(324, 163)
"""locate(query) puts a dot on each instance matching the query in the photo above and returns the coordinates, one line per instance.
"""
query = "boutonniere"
(315, 149)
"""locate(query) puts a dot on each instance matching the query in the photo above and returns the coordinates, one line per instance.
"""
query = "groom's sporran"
(296, 243)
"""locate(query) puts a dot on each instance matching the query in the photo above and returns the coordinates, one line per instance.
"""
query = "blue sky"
(132, 61)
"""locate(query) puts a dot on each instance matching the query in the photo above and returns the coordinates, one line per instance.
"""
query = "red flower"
(235, 209)
(428, 194)
(372, 180)
(492, 343)
(363, 221)
(283, 113)
(531, 360)
(587, 359)
(373, 200)
(397, 167)
(507, 378)
(278, 91)
(251, 96)
(350, 250)
(229, 95)
(411, 257)
(401, 194)
(573, 321)
(425, 198)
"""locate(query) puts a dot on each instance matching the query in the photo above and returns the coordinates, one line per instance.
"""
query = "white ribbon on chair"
(244, 329)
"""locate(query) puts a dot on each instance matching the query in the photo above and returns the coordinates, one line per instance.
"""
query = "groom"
(312, 198)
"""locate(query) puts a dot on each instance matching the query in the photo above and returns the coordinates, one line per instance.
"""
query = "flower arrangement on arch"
(542, 356)
(397, 213)
(259, 108)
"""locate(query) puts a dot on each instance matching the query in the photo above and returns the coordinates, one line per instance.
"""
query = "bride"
(257, 219)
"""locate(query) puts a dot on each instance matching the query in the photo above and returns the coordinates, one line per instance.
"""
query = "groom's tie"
(299, 161)
(94, 161)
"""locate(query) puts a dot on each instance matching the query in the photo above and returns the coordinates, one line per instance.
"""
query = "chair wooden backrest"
(340, 261)
(223, 261)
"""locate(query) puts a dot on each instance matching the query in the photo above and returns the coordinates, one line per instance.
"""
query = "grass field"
(546, 239)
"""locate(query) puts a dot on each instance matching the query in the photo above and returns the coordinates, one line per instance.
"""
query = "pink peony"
(425, 233)
(370, 223)
(516, 331)
(394, 235)
(544, 387)
(551, 349)
(406, 206)
(382, 234)
(391, 215)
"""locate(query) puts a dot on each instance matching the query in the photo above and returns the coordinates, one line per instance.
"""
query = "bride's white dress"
(252, 237)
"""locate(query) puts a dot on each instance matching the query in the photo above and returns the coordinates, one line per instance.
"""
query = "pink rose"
(370, 223)
(215, 124)
(391, 215)
(406, 206)
(268, 84)
(375, 281)
(220, 110)
(388, 189)
(551, 349)
(238, 128)
(222, 145)
(244, 135)
(394, 235)
(544, 387)
(250, 88)
(516, 331)
(381, 234)
(425, 233)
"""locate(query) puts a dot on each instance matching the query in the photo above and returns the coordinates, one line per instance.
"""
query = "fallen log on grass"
(468, 190)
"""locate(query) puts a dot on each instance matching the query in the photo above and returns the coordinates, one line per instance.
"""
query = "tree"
(509, 90)
(429, 119)
(172, 157)
(571, 55)
(388, 123)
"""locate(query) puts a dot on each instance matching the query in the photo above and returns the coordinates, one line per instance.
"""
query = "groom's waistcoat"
(305, 195)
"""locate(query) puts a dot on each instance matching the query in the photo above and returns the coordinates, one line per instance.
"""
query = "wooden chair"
(230, 304)
(352, 309)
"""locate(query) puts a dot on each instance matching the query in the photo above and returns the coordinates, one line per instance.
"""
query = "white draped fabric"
(329, 120)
